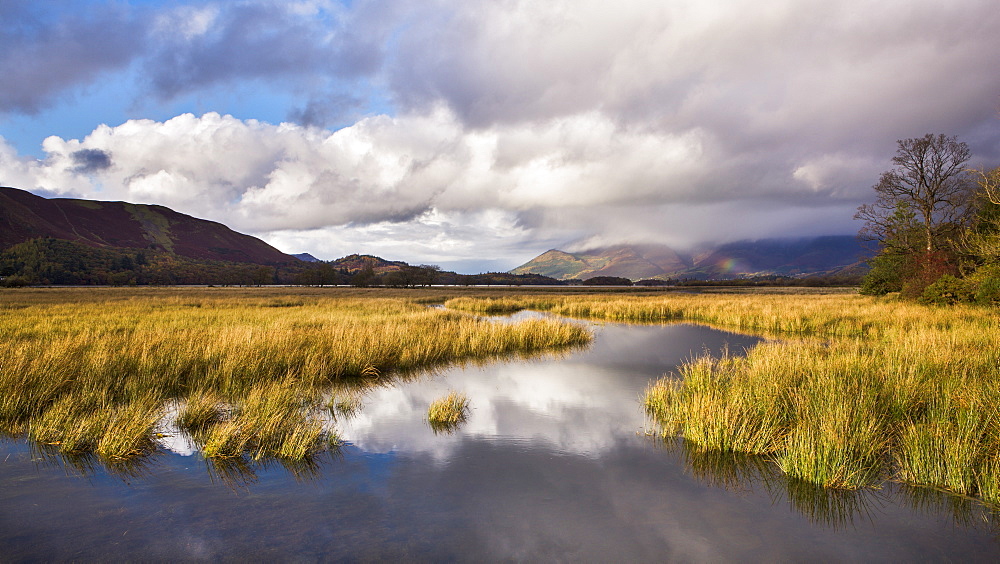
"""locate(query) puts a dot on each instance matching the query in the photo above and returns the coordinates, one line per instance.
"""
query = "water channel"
(554, 463)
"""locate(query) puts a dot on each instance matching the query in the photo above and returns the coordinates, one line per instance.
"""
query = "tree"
(981, 242)
(929, 177)
(607, 281)
(989, 184)
(364, 277)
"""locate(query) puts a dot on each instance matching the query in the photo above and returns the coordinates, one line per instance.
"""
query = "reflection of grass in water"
(90, 370)
(733, 471)
(345, 406)
(880, 389)
(964, 510)
(241, 472)
(88, 463)
(834, 508)
(447, 413)
(740, 472)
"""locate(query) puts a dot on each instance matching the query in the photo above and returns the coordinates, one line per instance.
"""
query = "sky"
(477, 134)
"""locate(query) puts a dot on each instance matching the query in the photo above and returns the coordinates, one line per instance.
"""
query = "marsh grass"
(739, 472)
(345, 405)
(445, 414)
(852, 391)
(91, 370)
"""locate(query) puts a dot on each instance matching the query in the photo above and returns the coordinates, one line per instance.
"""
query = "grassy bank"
(92, 370)
(856, 391)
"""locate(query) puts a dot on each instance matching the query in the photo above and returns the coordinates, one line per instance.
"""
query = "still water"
(554, 463)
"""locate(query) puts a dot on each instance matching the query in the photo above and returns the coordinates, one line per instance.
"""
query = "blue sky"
(477, 134)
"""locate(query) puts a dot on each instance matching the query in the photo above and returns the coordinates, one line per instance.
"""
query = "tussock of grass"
(78, 423)
(448, 412)
(89, 370)
(199, 412)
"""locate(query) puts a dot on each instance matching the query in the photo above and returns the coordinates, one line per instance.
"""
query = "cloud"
(90, 160)
(515, 126)
(221, 43)
(761, 71)
(42, 56)
(427, 188)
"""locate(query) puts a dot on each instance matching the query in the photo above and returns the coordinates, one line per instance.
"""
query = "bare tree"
(929, 178)
(981, 242)
(989, 183)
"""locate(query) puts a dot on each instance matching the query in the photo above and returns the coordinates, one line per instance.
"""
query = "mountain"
(25, 216)
(782, 257)
(306, 257)
(626, 261)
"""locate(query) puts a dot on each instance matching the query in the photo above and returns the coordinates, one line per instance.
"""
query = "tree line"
(51, 261)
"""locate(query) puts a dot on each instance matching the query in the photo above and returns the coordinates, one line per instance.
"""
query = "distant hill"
(626, 261)
(25, 216)
(782, 257)
(306, 257)
(354, 263)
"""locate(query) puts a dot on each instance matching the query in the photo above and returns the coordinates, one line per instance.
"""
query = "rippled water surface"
(552, 464)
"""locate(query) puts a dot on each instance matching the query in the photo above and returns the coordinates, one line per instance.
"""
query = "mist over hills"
(814, 256)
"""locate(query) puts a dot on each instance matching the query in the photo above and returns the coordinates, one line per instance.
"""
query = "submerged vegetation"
(249, 372)
(856, 389)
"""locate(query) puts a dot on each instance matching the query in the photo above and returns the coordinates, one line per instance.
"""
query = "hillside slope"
(785, 257)
(25, 216)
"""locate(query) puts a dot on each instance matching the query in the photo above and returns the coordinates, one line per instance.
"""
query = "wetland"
(293, 424)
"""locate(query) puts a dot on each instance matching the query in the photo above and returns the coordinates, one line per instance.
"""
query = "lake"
(555, 462)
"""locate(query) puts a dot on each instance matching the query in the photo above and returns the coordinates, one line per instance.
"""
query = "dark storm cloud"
(265, 41)
(52, 48)
(90, 160)
(327, 110)
(768, 86)
(47, 48)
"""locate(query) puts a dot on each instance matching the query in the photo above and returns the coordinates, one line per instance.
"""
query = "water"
(552, 464)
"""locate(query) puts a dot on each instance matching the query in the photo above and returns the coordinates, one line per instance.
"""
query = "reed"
(448, 412)
(90, 370)
(852, 390)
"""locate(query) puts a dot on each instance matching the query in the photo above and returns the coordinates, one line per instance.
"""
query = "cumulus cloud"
(516, 126)
(415, 169)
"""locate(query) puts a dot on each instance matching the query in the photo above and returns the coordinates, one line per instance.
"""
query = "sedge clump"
(447, 413)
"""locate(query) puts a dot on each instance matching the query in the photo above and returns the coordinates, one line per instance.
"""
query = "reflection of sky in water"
(581, 402)
(548, 467)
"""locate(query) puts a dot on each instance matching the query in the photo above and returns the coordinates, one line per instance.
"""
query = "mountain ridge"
(808, 256)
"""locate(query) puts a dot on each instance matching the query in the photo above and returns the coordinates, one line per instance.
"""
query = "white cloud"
(561, 120)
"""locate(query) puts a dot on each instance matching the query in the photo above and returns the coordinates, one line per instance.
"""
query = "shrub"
(986, 285)
(948, 290)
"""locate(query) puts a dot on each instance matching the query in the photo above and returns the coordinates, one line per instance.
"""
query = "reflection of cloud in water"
(580, 404)
(560, 406)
